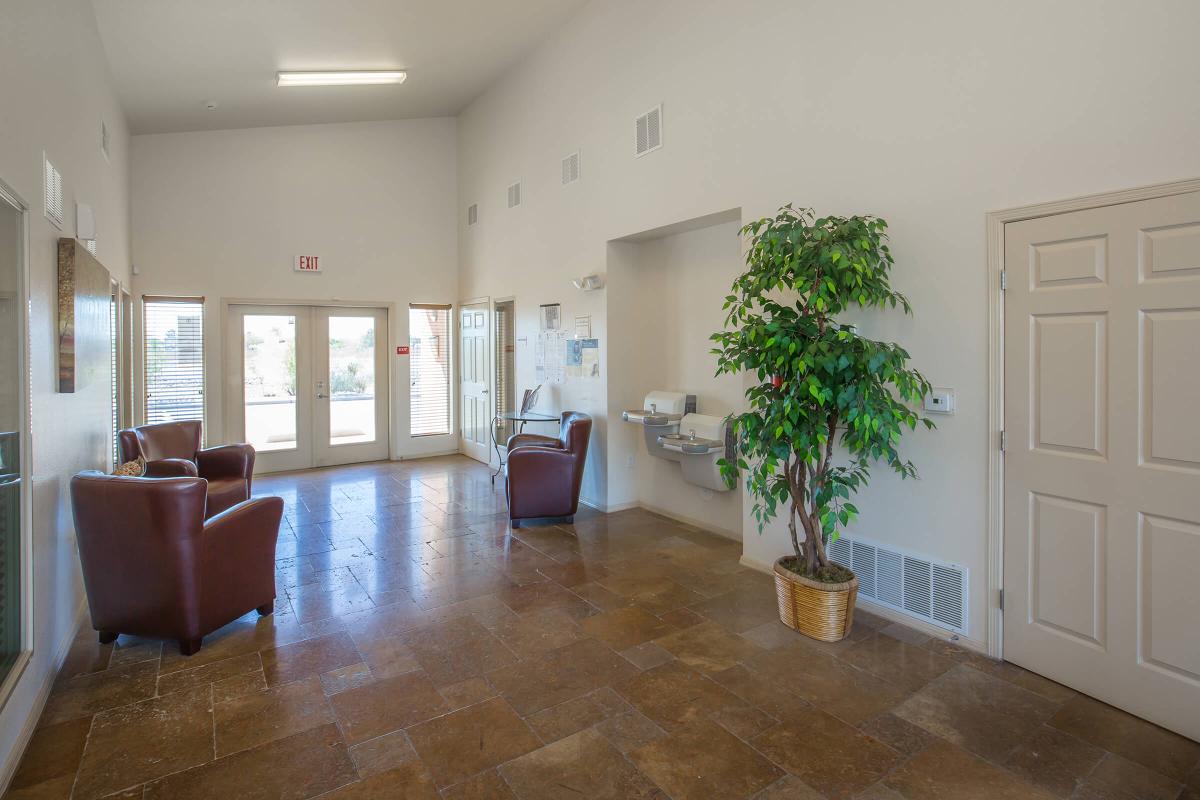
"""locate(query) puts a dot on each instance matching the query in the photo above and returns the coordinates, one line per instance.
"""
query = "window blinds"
(173, 348)
(429, 365)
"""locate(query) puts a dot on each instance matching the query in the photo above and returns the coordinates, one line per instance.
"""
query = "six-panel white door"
(476, 409)
(1102, 467)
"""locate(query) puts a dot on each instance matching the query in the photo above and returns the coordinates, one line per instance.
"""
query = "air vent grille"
(104, 141)
(90, 244)
(514, 195)
(472, 213)
(52, 190)
(570, 168)
(930, 590)
(648, 132)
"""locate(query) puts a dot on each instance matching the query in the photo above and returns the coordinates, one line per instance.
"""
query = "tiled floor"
(421, 649)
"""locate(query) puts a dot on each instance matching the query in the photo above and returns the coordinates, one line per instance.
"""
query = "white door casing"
(1102, 467)
(474, 380)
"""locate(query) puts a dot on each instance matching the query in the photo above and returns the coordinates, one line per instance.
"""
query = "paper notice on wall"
(583, 326)
(549, 356)
(583, 358)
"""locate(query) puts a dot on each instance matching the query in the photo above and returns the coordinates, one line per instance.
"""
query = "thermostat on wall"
(940, 401)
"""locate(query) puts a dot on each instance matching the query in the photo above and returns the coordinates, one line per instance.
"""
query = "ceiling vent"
(648, 136)
(570, 168)
(472, 213)
(514, 195)
(933, 591)
(52, 191)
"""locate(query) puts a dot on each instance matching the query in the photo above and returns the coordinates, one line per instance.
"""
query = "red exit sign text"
(308, 264)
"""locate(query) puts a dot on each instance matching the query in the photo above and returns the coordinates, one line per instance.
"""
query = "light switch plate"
(940, 401)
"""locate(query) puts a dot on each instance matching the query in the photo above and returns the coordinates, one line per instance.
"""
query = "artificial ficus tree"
(820, 382)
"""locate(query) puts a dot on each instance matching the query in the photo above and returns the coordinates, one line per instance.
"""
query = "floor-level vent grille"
(933, 591)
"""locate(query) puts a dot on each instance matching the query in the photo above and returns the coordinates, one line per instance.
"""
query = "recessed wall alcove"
(665, 290)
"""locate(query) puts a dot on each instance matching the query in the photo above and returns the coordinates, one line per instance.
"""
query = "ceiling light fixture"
(346, 78)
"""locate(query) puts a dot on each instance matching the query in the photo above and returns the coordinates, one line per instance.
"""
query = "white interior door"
(473, 378)
(1102, 468)
(307, 386)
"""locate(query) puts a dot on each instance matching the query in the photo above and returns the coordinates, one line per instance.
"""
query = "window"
(173, 357)
(429, 363)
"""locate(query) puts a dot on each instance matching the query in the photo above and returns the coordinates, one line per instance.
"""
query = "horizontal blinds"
(429, 388)
(173, 345)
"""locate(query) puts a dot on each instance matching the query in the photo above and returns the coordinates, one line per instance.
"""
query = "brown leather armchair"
(544, 472)
(172, 449)
(153, 566)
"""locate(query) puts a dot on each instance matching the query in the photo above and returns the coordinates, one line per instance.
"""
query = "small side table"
(520, 419)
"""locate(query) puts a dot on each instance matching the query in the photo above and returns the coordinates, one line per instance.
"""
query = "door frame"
(510, 298)
(995, 222)
(25, 440)
(491, 343)
(392, 367)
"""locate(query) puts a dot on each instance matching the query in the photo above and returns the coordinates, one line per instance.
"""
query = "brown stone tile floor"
(422, 649)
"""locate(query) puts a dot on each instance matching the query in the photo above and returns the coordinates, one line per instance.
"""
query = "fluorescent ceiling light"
(347, 78)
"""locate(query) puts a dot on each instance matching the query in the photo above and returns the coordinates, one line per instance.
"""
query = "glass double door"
(308, 384)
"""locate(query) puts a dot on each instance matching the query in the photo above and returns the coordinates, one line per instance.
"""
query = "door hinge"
(1003, 441)
(1003, 280)
(1000, 599)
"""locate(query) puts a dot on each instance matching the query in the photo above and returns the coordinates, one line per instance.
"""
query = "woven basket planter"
(823, 611)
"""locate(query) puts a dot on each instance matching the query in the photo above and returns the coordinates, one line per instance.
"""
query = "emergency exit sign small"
(307, 264)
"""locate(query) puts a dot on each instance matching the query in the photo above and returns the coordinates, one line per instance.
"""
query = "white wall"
(927, 113)
(667, 290)
(222, 214)
(54, 93)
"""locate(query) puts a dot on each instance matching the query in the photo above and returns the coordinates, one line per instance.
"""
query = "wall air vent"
(104, 141)
(514, 195)
(570, 168)
(52, 191)
(472, 213)
(930, 590)
(648, 132)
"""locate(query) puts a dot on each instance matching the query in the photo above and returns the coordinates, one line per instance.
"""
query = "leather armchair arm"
(540, 482)
(532, 440)
(227, 461)
(170, 468)
(238, 555)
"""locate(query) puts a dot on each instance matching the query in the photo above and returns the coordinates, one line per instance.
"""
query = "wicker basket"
(823, 611)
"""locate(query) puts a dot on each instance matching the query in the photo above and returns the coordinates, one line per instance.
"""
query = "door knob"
(322, 396)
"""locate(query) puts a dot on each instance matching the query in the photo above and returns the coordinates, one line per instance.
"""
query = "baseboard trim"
(695, 523)
(878, 610)
(438, 454)
(39, 703)
(662, 512)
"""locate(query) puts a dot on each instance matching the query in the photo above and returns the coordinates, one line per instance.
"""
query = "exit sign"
(401, 349)
(307, 264)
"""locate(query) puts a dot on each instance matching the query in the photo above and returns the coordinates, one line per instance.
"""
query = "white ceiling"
(169, 57)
